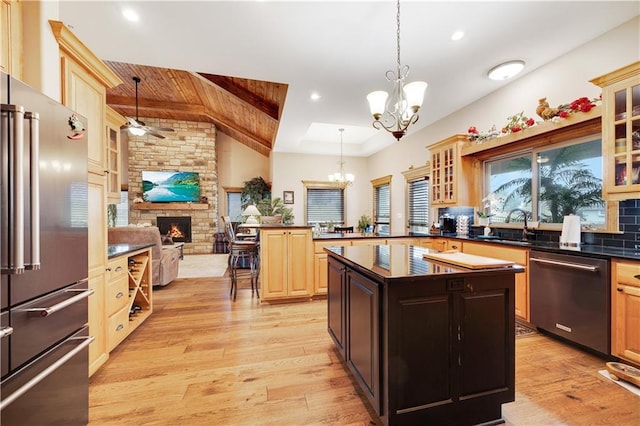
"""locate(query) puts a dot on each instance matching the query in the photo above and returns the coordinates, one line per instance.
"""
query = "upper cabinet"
(11, 37)
(114, 152)
(621, 132)
(450, 172)
(84, 81)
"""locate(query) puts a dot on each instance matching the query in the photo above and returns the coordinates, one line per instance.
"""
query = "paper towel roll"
(570, 236)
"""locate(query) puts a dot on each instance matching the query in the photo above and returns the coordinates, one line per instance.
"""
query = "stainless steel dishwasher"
(569, 297)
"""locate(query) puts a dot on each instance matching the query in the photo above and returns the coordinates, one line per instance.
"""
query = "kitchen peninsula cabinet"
(519, 256)
(286, 262)
(450, 173)
(428, 343)
(625, 310)
(621, 132)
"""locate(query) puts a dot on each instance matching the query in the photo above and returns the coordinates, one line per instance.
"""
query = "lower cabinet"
(519, 256)
(286, 263)
(625, 310)
(429, 350)
(128, 294)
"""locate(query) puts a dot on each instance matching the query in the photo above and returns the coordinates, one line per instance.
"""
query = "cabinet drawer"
(118, 327)
(117, 295)
(628, 273)
(117, 268)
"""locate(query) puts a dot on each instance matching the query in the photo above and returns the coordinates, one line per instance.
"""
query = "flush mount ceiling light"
(340, 178)
(394, 114)
(505, 70)
(130, 15)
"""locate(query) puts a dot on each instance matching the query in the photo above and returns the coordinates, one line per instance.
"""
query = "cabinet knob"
(620, 289)
(637, 277)
(109, 269)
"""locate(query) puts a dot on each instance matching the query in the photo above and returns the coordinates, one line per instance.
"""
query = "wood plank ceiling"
(249, 111)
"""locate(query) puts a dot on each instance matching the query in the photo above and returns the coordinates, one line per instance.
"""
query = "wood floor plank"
(203, 359)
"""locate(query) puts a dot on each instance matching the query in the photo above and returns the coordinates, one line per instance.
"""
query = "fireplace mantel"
(170, 206)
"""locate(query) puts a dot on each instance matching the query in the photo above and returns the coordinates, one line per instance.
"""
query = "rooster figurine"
(545, 111)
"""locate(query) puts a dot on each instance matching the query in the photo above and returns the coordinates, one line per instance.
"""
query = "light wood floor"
(203, 359)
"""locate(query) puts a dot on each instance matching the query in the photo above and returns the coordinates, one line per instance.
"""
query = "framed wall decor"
(287, 197)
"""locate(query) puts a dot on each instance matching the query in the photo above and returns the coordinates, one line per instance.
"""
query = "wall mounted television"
(170, 187)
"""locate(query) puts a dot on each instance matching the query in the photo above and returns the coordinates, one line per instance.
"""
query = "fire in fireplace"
(178, 228)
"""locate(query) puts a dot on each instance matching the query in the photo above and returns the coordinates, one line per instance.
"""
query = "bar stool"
(242, 249)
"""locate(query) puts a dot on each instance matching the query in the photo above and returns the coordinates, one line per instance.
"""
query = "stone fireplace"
(176, 227)
(192, 148)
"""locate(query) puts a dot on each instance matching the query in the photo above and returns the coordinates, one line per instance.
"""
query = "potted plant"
(255, 190)
(271, 207)
(364, 223)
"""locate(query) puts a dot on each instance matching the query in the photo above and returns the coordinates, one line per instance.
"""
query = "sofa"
(165, 259)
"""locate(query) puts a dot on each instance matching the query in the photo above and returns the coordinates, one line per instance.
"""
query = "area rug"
(522, 331)
(203, 265)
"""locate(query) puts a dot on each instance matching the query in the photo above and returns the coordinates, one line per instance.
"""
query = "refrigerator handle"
(34, 128)
(16, 190)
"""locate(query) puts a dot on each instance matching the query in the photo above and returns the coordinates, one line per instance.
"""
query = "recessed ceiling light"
(457, 35)
(315, 96)
(505, 70)
(130, 15)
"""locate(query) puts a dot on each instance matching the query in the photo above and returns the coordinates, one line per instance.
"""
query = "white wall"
(561, 81)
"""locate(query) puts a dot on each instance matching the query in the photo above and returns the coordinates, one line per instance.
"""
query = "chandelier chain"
(398, 35)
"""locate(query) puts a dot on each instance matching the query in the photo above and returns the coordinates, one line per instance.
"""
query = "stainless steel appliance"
(570, 298)
(447, 224)
(43, 252)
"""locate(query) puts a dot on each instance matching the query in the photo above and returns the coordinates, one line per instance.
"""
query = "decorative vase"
(483, 221)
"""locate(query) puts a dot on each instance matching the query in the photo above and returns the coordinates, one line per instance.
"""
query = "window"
(234, 205)
(325, 205)
(549, 183)
(382, 204)
(122, 209)
(417, 199)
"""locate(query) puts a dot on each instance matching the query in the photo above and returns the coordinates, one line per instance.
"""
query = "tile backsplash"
(629, 225)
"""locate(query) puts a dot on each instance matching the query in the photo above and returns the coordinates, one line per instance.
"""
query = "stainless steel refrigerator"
(43, 250)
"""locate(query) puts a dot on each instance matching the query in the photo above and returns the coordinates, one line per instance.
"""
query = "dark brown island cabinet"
(429, 343)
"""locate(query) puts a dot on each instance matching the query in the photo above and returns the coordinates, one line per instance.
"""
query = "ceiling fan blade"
(159, 129)
(157, 135)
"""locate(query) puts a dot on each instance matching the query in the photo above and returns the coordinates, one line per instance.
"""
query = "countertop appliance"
(570, 296)
(447, 224)
(43, 252)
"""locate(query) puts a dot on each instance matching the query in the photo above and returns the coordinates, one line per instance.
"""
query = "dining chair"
(343, 229)
(242, 249)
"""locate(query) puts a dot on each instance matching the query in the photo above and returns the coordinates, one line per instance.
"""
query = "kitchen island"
(428, 342)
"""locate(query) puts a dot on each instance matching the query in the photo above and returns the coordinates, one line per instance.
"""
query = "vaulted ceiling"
(247, 110)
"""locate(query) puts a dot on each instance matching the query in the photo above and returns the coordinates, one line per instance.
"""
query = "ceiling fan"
(137, 127)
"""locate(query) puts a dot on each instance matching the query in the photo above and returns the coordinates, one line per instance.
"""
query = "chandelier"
(340, 178)
(396, 113)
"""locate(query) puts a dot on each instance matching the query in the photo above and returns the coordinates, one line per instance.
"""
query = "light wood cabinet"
(113, 153)
(11, 37)
(441, 244)
(97, 257)
(519, 256)
(286, 263)
(625, 310)
(621, 132)
(450, 172)
(84, 81)
(320, 279)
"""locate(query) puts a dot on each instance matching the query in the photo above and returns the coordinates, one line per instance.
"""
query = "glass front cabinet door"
(621, 132)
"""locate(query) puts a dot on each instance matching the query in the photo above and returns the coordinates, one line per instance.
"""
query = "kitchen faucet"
(525, 231)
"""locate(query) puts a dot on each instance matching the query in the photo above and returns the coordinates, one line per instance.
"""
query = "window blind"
(382, 203)
(418, 215)
(325, 205)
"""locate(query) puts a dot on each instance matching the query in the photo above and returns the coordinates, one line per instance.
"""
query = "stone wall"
(191, 148)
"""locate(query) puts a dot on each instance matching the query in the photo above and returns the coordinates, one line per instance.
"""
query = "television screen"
(168, 187)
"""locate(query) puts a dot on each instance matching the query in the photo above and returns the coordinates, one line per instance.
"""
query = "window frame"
(323, 185)
(421, 173)
(376, 185)
(533, 152)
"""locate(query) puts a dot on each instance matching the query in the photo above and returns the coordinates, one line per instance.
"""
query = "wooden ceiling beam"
(126, 103)
(220, 122)
(271, 110)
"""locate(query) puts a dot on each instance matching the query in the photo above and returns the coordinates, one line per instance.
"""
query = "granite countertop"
(400, 261)
(116, 250)
(603, 252)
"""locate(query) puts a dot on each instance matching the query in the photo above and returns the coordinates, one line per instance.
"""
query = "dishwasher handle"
(579, 266)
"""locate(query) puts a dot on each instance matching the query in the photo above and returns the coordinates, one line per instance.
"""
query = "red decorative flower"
(530, 122)
(473, 130)
(563, 114)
